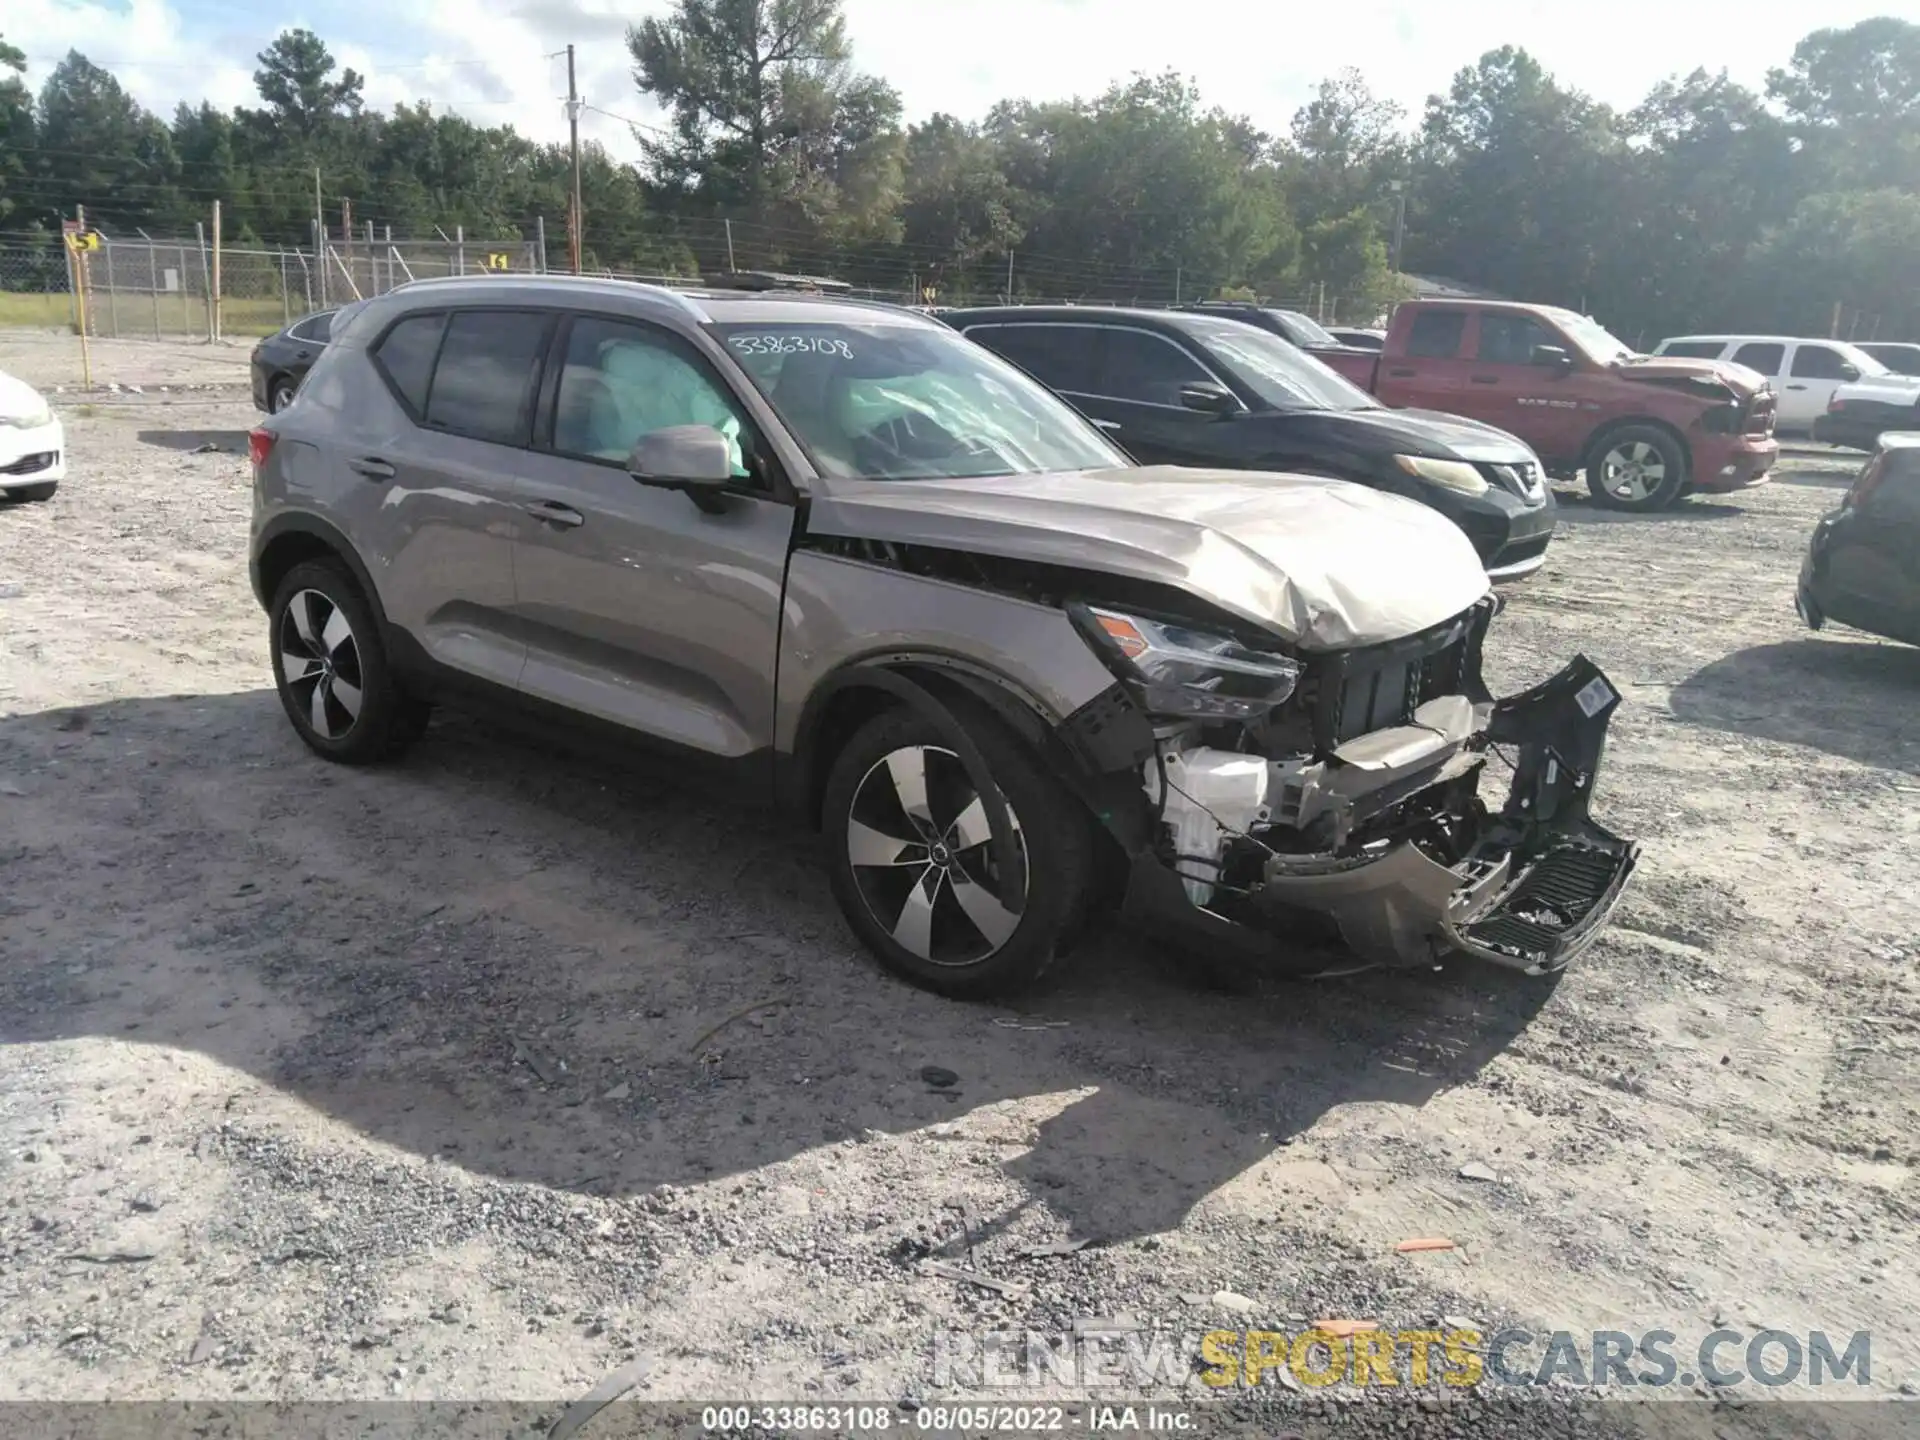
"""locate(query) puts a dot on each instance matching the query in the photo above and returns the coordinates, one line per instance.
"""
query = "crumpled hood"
(1324, 564)
(1737, 378)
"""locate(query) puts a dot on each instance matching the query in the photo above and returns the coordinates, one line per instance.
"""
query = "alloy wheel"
(320, 663)
(281, 397)
(918, 842)
(1634, 471)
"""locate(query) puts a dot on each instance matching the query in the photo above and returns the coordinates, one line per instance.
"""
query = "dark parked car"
(1899, 357)
(1358, 339)
(1190, 388)
(1863, 566)
(281, 361)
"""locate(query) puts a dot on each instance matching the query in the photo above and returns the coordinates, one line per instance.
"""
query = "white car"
(33, 447)
(1802, 373)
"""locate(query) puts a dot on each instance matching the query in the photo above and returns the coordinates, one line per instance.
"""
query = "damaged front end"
(1288, 794)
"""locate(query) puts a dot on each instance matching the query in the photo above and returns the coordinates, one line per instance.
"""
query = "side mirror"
(693, 458)
(1209, 397)
(1849, 372)
(1552, 357)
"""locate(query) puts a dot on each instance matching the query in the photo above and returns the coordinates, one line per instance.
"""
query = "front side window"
(1817, 362)
(879, 399)
(1146, 369)
(1508, 339)
(620, 382)
(483, 385)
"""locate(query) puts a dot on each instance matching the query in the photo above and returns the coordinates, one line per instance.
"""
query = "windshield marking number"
(790, 345)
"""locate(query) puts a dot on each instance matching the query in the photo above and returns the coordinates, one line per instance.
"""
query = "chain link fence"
(163, 289)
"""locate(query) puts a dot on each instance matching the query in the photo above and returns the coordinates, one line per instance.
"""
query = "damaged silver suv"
(870, 571)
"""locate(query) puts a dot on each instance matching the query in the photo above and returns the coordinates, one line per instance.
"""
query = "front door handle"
(1402, 374)
(1484, 379)
(371, 466)
(554, 513)
(1108, 425)
(1796, 387)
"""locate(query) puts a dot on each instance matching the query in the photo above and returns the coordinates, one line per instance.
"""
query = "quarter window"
(621, 382)
(483, 385)
(406, 355)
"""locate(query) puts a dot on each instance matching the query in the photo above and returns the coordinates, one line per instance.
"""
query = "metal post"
(216, 270)
(540, 240)
(1176, 285)
(113, 307)
(731, 267)
(206, 274)
(319, 263)
(1009, 277)
(391, 256)
(373, 261)
(1399, 225)
(576, 218)
(153, 283)
(180, 274)
(286, 301)
(459, 249)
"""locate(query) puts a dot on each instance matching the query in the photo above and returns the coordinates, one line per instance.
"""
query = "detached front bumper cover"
(1540, 878)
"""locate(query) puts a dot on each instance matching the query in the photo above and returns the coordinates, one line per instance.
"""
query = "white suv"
(1803, 373)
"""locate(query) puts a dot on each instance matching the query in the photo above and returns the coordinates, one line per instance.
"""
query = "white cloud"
(1252, 56)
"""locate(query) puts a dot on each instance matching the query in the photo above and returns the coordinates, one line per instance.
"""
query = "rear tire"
(331, 669)
(911, 863)
(1636, 468)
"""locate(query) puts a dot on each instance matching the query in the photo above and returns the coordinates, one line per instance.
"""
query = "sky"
(494, 62)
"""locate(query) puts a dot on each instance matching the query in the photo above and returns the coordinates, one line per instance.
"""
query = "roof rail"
(774, 280)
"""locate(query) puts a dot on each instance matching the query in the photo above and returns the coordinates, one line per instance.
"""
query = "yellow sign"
(929, 294)
(499, 260)
(83, 240)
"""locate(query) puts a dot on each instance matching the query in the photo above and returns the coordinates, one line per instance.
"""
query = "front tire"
(28, 494)
(911, 860)
(331, 669)
(1637, 468)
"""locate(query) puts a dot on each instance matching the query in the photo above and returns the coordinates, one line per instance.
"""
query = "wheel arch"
(288, 540)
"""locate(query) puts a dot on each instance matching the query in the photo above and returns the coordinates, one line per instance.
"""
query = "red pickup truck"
(1643, 431)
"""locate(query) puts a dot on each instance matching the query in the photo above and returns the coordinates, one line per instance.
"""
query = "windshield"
(1284, 376)
(890, 401)
(1303, 329)
(1594, 338)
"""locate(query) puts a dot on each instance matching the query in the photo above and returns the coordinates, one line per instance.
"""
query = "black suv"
(1185, 388)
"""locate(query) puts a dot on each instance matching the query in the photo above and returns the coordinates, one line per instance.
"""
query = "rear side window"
(1436, 334)
(1817, 362)
(1694, 349)
(406, 354)
(483, 385)
(1145, 368)
(1764, 358)
(1060, 357)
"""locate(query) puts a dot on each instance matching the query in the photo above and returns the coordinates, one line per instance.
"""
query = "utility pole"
(319, 238)
(574, 216)
(1399, 224)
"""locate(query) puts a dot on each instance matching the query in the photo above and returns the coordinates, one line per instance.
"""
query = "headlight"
(37, 413)
(1454, 474)
(1190, 672)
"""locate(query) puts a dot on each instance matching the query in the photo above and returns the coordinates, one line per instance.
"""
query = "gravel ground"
(327, 1084)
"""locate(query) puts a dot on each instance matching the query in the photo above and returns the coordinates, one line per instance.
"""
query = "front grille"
(1356, 692)
(31, 464)
(1524, 480)
(1759, 418)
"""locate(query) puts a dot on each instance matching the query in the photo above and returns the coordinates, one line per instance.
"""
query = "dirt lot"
(394, 1083)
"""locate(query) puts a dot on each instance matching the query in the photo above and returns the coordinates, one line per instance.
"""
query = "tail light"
(1835, 402)
(259, 446)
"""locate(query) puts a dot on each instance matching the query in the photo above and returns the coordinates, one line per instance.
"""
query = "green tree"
(100, 149)
(1854, 96)
(297, 82)
(770, 120)
(16, 131)
(957, 211)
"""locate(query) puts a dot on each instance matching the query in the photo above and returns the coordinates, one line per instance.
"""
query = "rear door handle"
(554, 513)
(371, 466)
(1401, 374)
(1484, 379)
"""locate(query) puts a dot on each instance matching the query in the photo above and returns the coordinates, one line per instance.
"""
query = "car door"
(640, 607)
(1506, 388)
(1814, 372)
(1430, 370)
(1767, 358)
(438, 481)
(1137, 400)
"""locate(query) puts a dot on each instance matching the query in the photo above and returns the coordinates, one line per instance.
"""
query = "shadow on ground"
(232, 442)
(510, 958)
(1580, 508)
(1849, 697)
